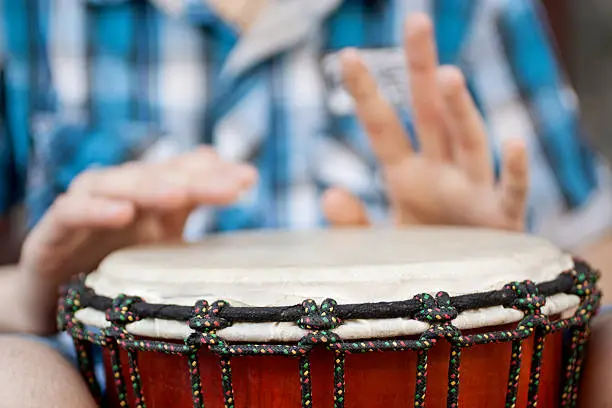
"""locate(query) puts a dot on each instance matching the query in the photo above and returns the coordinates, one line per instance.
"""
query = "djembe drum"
(368, 318)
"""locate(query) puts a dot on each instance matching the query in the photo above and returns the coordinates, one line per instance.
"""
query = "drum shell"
(373, 379)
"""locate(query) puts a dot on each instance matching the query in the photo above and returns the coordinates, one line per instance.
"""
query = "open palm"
(451, 180)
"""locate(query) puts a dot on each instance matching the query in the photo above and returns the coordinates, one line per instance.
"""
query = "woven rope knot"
(528, 296)
(584, 281)
(319, 318)
(205, 318)
(435, 310)
(319, 337)
(196, 339)
(116, 332)
(437, 331)
(531, 322)
(121, 313)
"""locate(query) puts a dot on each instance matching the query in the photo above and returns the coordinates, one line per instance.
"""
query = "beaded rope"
(339, 380)
(305, 381)
(319, 321)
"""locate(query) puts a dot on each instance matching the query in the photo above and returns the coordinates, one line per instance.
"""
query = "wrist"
(35, 301)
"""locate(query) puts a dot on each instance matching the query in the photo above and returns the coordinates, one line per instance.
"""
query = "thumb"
(343, 209)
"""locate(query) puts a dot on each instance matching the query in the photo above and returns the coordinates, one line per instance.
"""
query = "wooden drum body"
(428, 317)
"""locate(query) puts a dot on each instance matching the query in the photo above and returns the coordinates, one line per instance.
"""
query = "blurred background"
(584, 32)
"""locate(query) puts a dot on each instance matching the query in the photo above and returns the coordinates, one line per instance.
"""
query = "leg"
(32, 374)
(595, 391)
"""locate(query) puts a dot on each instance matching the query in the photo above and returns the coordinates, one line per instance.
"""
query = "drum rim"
(505, 297)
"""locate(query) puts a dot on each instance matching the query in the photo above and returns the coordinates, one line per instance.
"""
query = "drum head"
(349, 266)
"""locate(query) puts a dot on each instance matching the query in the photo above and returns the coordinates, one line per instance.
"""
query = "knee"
(595, 391)
(33, 374)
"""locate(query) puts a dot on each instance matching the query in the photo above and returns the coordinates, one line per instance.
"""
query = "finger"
(470, 142)
(200, 155)
(201, 177)
(146, 185)
(514, 182)
(168, 185)
(422, 60)
(380, 121)
(220, 185)
(76, 211)
(203, 164)
(342, 209)
(70, 213)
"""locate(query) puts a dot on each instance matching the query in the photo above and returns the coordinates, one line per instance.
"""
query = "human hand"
(451, 180)
(105, 210)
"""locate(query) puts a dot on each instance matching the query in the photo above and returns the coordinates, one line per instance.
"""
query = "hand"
(451, 180)
(108, 209)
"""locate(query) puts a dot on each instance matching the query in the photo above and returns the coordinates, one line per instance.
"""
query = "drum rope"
(339, 379)
(453, 377)
(305, 381)
(82, 342)
(530, 301)
(515, 370)
(319, 322)
(196, 382)
(380, 310)
(119, 315)
(139, 400)
(421, 379)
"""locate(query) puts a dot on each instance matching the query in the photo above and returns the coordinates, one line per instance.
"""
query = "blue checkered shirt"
(96, 83)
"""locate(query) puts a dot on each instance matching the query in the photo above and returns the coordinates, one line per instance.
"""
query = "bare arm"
(15, 295)
(17, 314)
(599, 255)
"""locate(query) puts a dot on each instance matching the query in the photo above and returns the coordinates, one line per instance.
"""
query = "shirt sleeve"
(579, 178)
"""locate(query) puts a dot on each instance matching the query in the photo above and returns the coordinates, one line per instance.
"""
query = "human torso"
(135, 80)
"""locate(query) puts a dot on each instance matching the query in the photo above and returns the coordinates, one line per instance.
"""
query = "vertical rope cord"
(421, 379)
(83, 353)
(305, 382)
(536, 367)
(581, 343)
(339, 379)
(135, 379)
(195, 378)
(454, 368)
(569, 389)
(514, 373)
(117, 372)
(226, 380)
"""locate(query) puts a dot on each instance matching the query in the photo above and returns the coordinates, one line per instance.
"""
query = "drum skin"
(373, 380)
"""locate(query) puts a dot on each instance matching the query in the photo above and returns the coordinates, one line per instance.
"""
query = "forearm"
(12, 316)
(25, 307)
(599, 256)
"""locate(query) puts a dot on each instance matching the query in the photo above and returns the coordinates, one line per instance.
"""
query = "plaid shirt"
(98, 82)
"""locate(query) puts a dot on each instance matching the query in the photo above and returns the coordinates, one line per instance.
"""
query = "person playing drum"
(269, 160)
